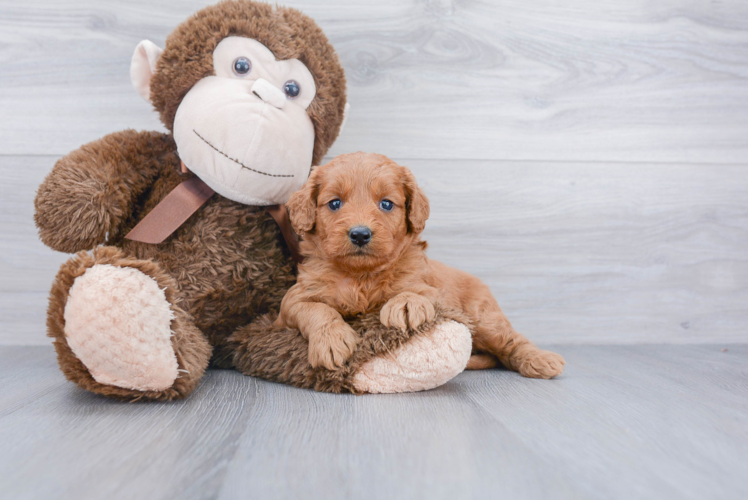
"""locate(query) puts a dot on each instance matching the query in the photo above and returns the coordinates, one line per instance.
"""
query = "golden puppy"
(360, 217)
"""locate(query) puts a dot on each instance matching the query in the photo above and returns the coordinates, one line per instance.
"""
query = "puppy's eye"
(242, 66)
(335, 205)
(386, 205)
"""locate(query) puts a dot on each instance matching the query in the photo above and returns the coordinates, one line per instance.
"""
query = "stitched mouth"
(237, 161)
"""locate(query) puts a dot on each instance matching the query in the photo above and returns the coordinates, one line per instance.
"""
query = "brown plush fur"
(190, 345)
(228, 260)
(281, 354)
(390, 273)
(289, 34)
(228, 263)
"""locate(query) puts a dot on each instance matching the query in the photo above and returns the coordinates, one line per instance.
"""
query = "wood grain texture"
(574, 252)
(27, 267)
(592, 80)
(622, 422)
(587, 253)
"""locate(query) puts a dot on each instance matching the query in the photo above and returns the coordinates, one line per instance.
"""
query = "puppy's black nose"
(360, 235)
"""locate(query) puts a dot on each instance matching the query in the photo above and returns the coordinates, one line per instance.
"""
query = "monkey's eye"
(335, 205)
(386, 205)
(242, 66)
(292, 89)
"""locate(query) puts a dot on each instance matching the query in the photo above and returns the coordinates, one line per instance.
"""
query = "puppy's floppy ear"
(302, 205)
(416, 204)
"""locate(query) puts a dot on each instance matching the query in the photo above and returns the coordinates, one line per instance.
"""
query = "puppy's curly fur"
(390, 273)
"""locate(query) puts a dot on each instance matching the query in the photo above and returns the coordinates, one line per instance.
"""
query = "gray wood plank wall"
(587, 159)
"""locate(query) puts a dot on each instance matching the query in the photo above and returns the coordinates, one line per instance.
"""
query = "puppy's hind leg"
(494, 334)
(482, 361)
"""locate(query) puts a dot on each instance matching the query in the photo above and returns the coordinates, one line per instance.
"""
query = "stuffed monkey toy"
(184, 252)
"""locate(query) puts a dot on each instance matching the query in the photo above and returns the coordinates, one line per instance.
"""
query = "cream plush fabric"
(271, 157)
(118, 323)
(423, 363)
(142, 67)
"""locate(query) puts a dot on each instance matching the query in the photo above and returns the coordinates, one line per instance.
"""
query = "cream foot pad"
(118, 323)
(422, 363)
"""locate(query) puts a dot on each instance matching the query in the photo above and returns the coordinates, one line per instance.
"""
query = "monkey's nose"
(360, 235)
(269, 93)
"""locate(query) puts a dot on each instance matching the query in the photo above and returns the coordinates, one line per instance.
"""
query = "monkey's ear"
(302, 205)
(346, 110)
(416, 203)
(143, 66)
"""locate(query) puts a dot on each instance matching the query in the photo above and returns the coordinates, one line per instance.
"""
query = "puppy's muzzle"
(360, 235)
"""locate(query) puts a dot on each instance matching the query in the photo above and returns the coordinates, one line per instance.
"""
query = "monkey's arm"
(91, 191)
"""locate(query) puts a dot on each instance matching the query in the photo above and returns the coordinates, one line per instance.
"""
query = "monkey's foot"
(424, 362)
(118, 323)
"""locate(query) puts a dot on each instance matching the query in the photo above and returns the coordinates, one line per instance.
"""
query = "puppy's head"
(360, 210)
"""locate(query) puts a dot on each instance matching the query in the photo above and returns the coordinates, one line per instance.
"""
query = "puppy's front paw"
(407, 309)
(541, 364)
(332, 345)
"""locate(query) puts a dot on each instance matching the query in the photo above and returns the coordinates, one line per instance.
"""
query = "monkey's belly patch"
(424, 362)
(118, 323)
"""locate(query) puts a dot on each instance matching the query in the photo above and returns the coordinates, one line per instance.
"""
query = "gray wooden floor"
(622, 422)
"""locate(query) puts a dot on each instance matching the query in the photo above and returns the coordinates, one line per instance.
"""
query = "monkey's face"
(245, 131)
(248, 116)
